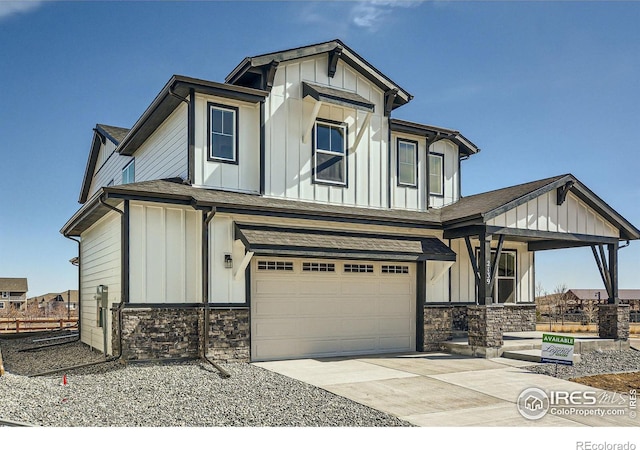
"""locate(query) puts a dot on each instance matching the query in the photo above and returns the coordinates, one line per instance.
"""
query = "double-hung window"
(330, 153)
(223, 133)
(407, 163)
(129, 173)
(436, 174)
(504, 289)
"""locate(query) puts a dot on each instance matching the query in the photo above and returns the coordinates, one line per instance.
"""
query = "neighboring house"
(284, 213)
(56, 302)
(580, 298)
(13, 293)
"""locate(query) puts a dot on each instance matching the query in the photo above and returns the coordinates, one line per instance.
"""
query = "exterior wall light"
(228, 261)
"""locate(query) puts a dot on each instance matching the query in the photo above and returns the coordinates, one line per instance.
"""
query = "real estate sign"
(557, 349)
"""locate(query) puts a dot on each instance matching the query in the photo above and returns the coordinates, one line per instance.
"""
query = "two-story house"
(13, 293)
(284, 213)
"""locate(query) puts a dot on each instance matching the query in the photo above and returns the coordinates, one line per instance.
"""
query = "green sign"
(557, 349)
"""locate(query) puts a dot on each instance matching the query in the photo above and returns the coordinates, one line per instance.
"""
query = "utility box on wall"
(102, 303)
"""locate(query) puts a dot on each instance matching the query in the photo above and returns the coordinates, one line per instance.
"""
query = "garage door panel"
(314, 286)
(395, 344)
(314, 314)
(396, 326)
(357, 306)
(363, 345)
(267, 329)
(389, 305)
(359, 287)
(396, 287)
(274, 287)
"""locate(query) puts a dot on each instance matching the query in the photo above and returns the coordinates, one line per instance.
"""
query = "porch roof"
(475, 213)
(267, 240)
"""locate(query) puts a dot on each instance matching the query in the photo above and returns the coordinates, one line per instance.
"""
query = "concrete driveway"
(438, 389)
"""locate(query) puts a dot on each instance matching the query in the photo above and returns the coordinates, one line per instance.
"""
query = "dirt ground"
(613, 382)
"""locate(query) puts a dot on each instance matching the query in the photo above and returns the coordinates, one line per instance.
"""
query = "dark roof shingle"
(13, 285)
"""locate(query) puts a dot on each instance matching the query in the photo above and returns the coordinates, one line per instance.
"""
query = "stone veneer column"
(485, 325)
(438, 323)
(613, 322)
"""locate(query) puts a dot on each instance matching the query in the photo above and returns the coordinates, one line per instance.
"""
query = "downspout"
(124, 272)
(207, 218)
(191, 135)
(79, 287)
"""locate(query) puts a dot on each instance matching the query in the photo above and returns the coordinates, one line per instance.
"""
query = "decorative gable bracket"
(334, 56)
(562, 192)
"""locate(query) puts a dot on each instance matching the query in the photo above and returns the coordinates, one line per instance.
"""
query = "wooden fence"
(13, 326)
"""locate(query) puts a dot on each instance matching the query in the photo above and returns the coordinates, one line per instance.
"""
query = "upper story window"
(5, 294)
(407, 163)
(436, 174)
(223, 133)
(330, 153)
(129, 172)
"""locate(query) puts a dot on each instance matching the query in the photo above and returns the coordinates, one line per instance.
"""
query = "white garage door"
(314, 308)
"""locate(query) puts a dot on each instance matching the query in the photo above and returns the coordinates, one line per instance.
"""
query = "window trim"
(6, 294)
(516, 296)
(314, 151)
(236, 141)
(133, 161)
(441, 156)
(415, 144)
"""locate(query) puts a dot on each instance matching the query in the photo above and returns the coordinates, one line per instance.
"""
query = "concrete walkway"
(437, 389)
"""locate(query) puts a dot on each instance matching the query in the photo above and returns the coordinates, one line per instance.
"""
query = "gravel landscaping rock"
(593, 363)
(189, 394)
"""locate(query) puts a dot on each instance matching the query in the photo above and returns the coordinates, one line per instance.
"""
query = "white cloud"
(10, 8)
(371, 14)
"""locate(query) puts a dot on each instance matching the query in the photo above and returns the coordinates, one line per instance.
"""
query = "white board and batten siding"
(101, 265)
(109, 167)
(451, 193)
(244, 176)
(544, 214)
(165, 254)
(415, 198)
(225, 287)
(289, 160)
(463, 286)
(164, 153)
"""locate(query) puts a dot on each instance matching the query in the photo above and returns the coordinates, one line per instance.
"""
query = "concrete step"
(532, 355)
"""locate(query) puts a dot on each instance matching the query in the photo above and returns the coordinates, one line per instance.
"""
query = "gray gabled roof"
(479, 205)
(114, 134)
(472, 210)
(177, 192)
(467, 147)
(100, 133)
(13, 285)
(483, 207)
(346, 54)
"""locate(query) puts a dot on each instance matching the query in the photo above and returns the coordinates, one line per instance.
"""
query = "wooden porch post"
(485, 288)
(613, 274)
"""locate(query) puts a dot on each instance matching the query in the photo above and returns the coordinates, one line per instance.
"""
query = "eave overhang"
(276, 241)
(337, 97)
(250, 64)
(467, 148)
(174, 192)
(176, 91)
(477, 221)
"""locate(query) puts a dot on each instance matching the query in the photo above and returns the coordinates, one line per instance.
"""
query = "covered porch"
(551, 214)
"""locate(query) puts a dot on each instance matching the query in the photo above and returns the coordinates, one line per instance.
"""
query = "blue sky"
(543, 88)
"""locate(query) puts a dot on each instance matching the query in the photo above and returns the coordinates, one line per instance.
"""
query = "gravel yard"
(189, 394)
(594, 363)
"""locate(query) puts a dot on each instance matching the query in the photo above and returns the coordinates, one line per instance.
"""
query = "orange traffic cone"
(64, 380)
